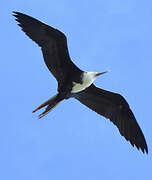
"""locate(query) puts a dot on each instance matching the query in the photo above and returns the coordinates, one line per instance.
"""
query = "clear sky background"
(73, 142)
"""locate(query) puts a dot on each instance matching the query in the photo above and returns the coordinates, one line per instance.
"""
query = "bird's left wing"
(114, 107)
(52, 42)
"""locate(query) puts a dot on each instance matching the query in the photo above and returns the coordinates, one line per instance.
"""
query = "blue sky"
(73, 142)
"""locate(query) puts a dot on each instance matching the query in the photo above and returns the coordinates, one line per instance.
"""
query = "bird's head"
(91, 76)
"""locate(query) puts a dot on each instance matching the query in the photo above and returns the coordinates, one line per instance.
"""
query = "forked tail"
(50, 103)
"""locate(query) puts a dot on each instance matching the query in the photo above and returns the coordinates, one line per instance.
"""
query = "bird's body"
(73, 82)
(87, 78)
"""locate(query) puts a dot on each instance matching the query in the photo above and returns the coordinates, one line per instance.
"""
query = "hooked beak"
(98, 74)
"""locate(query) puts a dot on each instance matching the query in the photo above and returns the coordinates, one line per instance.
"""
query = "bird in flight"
(73, 82)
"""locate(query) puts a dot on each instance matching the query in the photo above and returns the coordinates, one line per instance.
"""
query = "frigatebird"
(73, 82)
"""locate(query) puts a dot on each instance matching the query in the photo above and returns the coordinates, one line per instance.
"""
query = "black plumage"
(113, 106)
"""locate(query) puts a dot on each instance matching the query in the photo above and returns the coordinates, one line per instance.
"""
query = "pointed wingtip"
(15, 13)
(142, 147)
(146, 150)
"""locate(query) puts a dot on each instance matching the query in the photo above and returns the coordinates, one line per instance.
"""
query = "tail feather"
(45, 103)
(51, 103)
(48, 109)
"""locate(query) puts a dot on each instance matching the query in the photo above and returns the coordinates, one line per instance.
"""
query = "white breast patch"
(87, 79)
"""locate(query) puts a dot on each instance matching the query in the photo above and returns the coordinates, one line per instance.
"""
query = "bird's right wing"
(52, 42)
(114, 107)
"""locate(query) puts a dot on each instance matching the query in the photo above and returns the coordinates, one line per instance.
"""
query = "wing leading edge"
(114, 107)
(52, 42)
